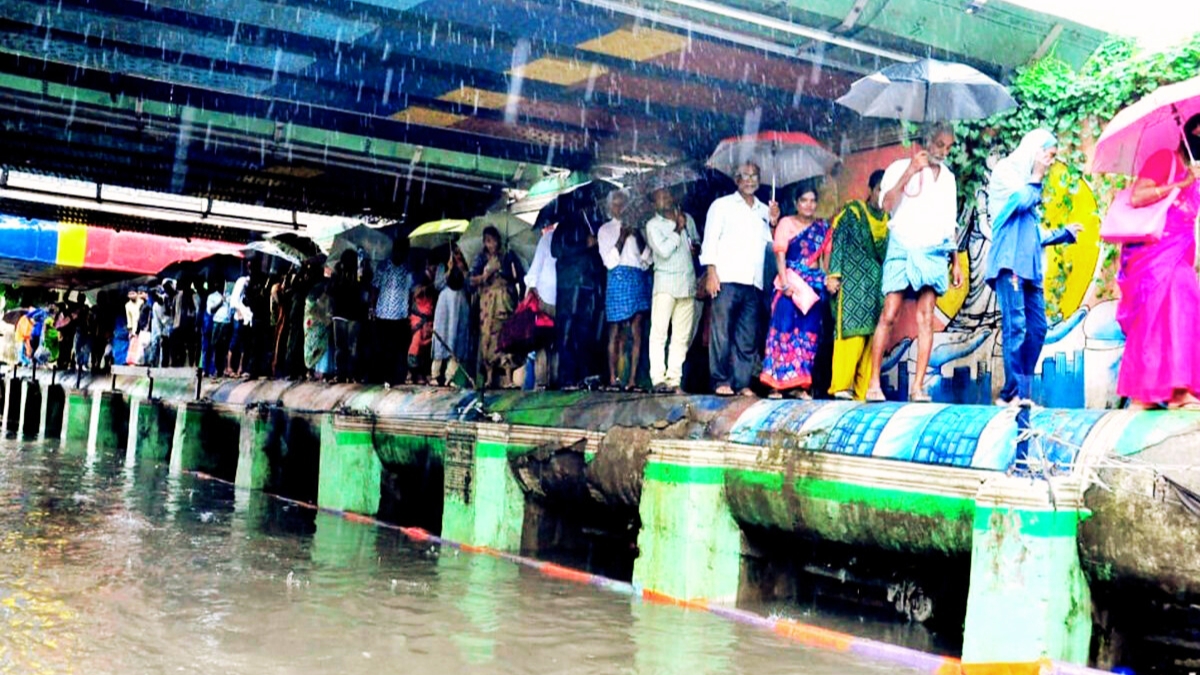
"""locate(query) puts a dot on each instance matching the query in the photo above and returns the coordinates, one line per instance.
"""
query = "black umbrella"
(585, 201)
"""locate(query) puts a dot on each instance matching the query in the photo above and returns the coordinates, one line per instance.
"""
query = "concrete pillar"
(690, 548)
(350, 472)
(77, 416)
(205, 439)
(110, 421)
(54, 402)
(43, 401)
(1028, 598)
(484, 504)
(12, 415)
(253, 467)
(30, 424)
(151, 430)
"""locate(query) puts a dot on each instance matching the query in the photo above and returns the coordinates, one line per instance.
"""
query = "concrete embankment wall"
(691, 475)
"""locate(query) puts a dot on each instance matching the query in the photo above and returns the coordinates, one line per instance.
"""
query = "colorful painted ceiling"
(423, 109)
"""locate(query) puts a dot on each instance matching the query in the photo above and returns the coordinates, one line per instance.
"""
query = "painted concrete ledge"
(1084, 506)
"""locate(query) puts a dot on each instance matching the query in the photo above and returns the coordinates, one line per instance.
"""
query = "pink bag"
(1125, 223)
(803, 295)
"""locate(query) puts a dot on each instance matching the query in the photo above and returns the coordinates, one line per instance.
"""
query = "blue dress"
(793, 337)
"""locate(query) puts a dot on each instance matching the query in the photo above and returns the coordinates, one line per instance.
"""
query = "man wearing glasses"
(737, 232)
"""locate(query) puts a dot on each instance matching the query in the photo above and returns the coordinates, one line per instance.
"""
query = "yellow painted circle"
(1070, 269)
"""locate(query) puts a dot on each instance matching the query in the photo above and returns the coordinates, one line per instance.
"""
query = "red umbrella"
(782, 156)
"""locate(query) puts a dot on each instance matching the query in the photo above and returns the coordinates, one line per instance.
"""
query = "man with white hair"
(737, 232)
(624, 252)
(922, 197)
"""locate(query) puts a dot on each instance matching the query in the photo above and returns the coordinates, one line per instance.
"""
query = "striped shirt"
(674, 272)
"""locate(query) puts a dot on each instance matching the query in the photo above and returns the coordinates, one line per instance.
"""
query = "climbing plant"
(1075, 105)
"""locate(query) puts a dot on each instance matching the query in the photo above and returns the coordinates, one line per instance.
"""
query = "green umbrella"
(437, 233)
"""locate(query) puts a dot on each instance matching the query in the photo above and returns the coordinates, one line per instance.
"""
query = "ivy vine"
(1074, 104)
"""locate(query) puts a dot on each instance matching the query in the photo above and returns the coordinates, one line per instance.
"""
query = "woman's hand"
(1193, 174)
(834, 284)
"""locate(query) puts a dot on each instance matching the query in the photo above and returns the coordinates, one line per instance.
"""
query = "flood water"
(112, 569)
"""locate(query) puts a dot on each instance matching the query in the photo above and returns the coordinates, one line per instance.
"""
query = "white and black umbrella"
(928, 91)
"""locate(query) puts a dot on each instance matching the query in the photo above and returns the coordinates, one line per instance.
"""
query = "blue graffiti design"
(1063, 328)
(952, 436)
(857, 432)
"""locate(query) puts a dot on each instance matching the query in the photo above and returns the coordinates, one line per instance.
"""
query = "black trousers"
(389, 351)
(732, 347)
(576, 325)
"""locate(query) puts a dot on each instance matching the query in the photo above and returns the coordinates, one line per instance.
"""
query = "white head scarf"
(1013, 172)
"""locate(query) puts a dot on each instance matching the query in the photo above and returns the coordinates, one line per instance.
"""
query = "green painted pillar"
(253, 467)
(350, 474)
(690, 548)
(1028, 598)
(187, 448)
(151, 430)
(110, 421)
(77, 417)
(483, 504)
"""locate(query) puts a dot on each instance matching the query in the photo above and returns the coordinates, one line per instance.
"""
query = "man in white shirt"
(542, 281)
(670, 234)
(921, 195)
(624, 252)
(737, 233)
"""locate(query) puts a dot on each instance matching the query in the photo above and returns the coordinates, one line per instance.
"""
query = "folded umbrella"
(1153, 123)
(928, 91)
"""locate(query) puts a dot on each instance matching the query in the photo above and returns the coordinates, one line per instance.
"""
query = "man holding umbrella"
(736, 234)
(921, 195)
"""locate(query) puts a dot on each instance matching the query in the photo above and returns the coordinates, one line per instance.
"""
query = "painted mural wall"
(48, 243)
(1079, 362)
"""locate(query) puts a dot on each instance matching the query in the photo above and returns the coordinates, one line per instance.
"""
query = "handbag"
(1125, 223)
(803, 295)
(527, 330)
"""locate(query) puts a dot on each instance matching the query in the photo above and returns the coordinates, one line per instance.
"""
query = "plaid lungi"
(628, 293)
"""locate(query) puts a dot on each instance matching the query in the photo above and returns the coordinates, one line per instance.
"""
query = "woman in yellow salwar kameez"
(860, 238)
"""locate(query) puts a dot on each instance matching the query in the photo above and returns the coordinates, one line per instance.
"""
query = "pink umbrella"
(782, 157)
(1154, 123)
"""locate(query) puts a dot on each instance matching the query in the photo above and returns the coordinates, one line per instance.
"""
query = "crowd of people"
(754, 303)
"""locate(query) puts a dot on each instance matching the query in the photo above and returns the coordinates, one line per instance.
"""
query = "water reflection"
(113, 568)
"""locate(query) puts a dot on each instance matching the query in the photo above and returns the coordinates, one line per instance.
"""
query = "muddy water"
(112, 569)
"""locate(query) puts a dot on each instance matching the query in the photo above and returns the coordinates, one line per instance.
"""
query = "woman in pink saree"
(1159, 310)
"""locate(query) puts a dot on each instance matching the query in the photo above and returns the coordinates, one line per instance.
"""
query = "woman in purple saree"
(1159, 310)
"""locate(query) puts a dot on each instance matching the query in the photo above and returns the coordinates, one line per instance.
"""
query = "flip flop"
(723, 390)
(1190, 405)
(920, 397)
(876, 396)
(748, 393)
(775, 395)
